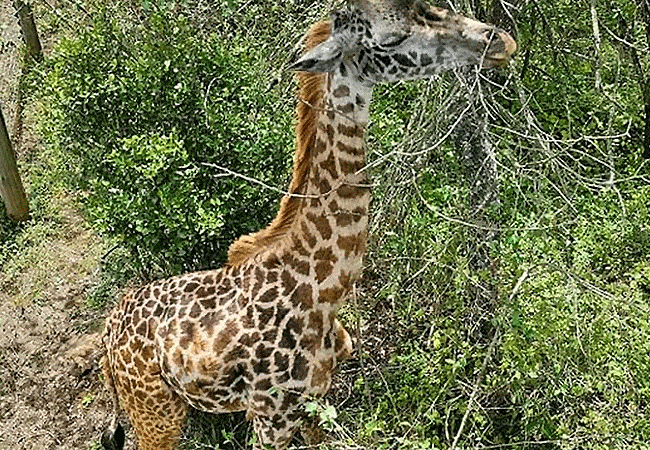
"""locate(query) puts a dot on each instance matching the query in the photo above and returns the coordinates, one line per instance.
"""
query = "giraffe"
(261, 334)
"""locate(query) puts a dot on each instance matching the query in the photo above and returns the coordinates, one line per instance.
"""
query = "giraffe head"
(391, 40)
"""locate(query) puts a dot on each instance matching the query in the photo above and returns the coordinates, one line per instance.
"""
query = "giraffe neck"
(331, 228)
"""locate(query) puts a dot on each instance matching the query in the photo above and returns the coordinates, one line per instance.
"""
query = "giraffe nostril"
(497, 45)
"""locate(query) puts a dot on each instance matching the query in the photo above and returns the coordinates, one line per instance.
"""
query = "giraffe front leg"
(276, 426)
(274, 434)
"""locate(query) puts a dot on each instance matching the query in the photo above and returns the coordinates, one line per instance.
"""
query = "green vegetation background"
(147, 108)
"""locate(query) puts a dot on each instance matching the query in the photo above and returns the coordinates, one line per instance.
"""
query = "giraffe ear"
(320, 59)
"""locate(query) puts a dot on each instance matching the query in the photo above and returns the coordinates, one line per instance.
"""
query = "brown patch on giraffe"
(319, 146)
(272, 262)
(191, 286)
(352, 244)
(280, 314)
(300, 266)
(249, 339)
(261, 366)
(330, 133)
(236, 354)
(349, 192)
(264, 384)
(352, 131)
(288, 282)
(324, 186)
(349, 167)
(208, 303)
(303, 297)
(298, 246)
(205, 291)
(300, 367)
(270, 335)
(332, 295)
(188, 334)
(329, 165)
(259, 281)
(224, 287)
(346, 109)
(211, 319)
(248, 320)
(325, 253)
(281, 361)
(264, 316)
(322, 377)
(355, 151)
(316, 322)
(196, 310)
(306, 234)
(323, 270)
(316, 202)
(341, 91)
(269, 295)
(344, 218)
(272, 277)
(309, 342)
(322, 225)
(225, 337)
(264, 403)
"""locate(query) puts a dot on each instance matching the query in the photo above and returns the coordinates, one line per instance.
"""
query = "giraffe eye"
(394, 40)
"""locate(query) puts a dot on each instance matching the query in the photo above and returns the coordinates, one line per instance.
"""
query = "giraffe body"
(260, 335)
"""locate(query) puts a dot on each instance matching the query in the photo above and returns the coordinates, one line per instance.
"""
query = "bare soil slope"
(51, 395)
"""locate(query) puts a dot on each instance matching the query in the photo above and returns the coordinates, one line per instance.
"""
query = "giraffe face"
(391, 40)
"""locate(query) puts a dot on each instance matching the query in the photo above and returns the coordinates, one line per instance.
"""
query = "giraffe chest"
(238, 349)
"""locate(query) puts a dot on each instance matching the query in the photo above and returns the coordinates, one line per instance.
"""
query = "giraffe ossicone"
(260, 334)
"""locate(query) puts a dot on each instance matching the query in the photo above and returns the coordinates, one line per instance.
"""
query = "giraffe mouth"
(500, 50)
(494, 61)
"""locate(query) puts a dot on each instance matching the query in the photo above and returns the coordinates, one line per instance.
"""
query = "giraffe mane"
(311, 91)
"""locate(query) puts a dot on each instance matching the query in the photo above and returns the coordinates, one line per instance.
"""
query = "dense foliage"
(141, 106)
(146, 116)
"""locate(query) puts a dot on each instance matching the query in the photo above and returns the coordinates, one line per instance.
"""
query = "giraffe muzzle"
(500, 49)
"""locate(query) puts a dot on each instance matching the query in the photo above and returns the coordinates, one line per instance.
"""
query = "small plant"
(87, 399)
(325, 414)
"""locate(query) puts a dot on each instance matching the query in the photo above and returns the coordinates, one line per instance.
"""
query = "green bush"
(142, 113)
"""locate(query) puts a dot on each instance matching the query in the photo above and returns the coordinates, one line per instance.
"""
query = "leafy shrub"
(141, 115)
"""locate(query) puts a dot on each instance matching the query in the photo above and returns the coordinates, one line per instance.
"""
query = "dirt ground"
(51, 396)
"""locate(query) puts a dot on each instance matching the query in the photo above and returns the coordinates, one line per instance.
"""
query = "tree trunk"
(11, 188)
(28, 27)
(479, 164)
(478, 159)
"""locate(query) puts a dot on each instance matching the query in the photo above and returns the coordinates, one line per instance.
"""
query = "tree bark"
(11, 188)
(478, 159)
(28, 27)
(479, 163)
